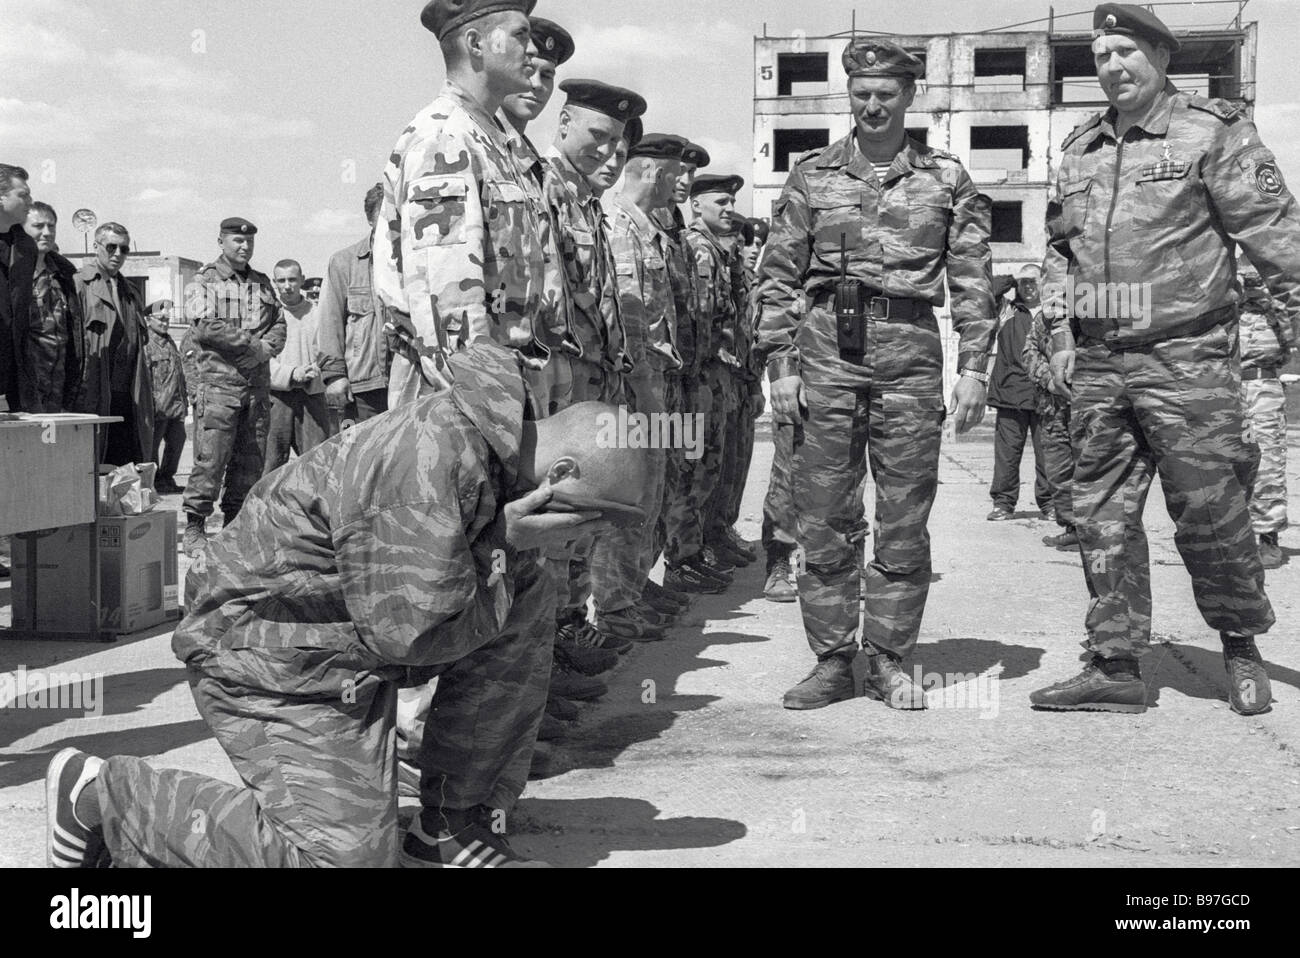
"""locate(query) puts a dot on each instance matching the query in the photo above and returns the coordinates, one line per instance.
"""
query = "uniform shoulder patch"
(809, 155)
(944, 155)
(1081, 129)
(1225, 110)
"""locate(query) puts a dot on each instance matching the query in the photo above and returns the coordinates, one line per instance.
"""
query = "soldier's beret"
(716, 183)
(762, 229)
(658, 146)
(237, 224)
(1131, 20)
(552, 40)
(613, 101)
(158, 307)
(633, 132)
(696, 155)
(878, 57)
(313, 283)
(440, 17)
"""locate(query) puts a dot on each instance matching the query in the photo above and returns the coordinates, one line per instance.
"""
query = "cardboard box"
(137, 575)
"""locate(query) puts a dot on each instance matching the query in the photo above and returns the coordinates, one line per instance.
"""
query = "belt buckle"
(877, 313)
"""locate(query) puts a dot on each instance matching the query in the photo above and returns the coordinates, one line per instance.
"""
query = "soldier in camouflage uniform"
(1150, 198)
(621, 561)
(463, 248)
(908, 215)
(1267, 336)
(297, 673)
(591, 125)
(1053, 411)
(237, 328)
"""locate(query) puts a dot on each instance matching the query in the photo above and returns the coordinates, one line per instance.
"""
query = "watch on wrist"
(976, 375)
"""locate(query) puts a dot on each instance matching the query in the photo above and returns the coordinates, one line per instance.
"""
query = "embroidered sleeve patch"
(1268, 179)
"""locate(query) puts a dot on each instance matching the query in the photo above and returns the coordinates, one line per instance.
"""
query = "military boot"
(196, 537)
(586, 659)
(659, 592)
(739, 544)
(567, 683)
(1067, 540)
(1249, 691)
(885, 680)
(1270, 553)
(664, 620)
(685, 579)
(778, 587)
(729, 554)
(628, 624)
(1104, 685)
(830, 681)
(660, 603)
(700, 566)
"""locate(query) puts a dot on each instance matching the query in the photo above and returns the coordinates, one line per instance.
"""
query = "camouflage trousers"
(713, 400)
(778, 505)
(230, 426)
(621, 560)
(888, 411)
(677, 461)
(1174, 408)
(1265, 402)
(1058, 458)
(736, 459)
(589, 382)
(319, 786)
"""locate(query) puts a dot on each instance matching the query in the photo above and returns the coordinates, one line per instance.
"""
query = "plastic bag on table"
(128, 490)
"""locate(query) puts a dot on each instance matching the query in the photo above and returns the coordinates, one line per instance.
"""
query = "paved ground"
(690, 760)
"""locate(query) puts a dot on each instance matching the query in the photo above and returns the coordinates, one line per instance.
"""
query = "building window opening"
(999, 147)
(788, 144)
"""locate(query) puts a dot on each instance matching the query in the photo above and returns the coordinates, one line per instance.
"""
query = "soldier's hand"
(528, 526)
(1063, 372)
(338, 394)
(968, 402)
(788, 402)
(757, 403)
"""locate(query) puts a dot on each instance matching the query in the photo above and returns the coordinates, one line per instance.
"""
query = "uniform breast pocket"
(834, 217)
(929, 211)
(1163, 196)
(359, 301)
(506, 209)
(259, 308)
(1076, 195)
(435, 211)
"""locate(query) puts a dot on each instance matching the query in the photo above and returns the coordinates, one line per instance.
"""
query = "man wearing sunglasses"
(116, 380)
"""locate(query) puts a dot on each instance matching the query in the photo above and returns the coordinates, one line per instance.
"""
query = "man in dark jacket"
(1012, 394)
(116, 380)
(17, 264)
(55, 339)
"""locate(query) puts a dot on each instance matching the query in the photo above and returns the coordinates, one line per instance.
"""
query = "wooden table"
(49, 478)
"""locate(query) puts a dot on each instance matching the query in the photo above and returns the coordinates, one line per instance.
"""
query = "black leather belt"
(889, 309)
(1119, 339)
(1258, 372)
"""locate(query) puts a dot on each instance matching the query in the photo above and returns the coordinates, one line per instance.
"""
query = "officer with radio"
(861, 239)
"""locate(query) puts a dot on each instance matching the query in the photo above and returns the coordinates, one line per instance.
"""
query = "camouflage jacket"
(237, 326)
(379, 549)
(1262, 336)
(681, 275)
(901, 234)
(742, 285)
(167, 371)
(589, 293)
(463, 243)
(715, 293)
(1155, 214)
(1036, 357)
(645, 290)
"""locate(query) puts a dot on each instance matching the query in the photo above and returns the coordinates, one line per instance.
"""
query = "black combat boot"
(778, 587)
(1104, 685)
(830, 681)
(196, 537)
(1066, 541)
(886, 681)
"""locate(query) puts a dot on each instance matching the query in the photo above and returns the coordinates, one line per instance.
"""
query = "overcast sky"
(169, 115)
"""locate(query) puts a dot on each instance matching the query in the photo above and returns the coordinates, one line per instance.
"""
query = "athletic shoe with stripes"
(67, 841)
(474, 846)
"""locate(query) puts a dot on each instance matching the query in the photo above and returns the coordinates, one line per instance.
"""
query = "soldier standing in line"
(1267, 337)
(170, 395)
(621, 561)
(1154, 194)
(862, 369)
(238, 328)
(1053, 410)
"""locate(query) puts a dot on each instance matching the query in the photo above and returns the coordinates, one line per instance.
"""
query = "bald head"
(579, 453)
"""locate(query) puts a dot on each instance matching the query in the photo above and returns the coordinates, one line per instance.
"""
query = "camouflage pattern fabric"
(893, 419)
(1192, 172)
(319, 787)
(779, 531)
(1175, 408)
(237, 327)
(925, 220)
(676, 468)
(590, 299)
(1053, 418)
(463, 242)
(230, 430)
(1265, 402)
